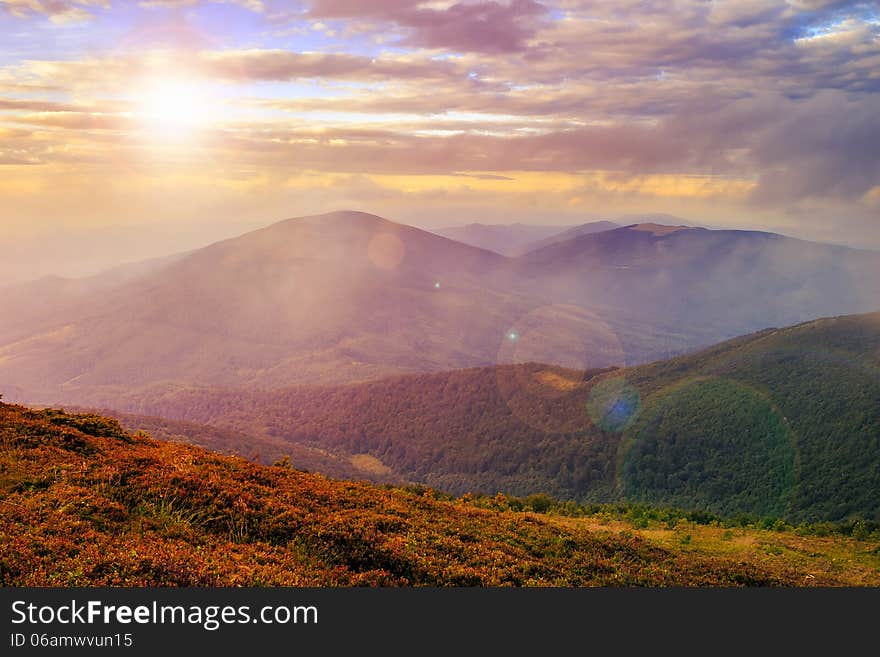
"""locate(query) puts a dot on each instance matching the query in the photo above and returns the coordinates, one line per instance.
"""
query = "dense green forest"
(784, 423)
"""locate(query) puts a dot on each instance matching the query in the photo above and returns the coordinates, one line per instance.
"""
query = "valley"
(782, 423)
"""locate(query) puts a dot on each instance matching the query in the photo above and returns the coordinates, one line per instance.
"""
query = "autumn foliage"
(83, 503)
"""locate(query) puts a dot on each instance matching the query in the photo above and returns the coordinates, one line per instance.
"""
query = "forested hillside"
(262, 449)
(782, 423)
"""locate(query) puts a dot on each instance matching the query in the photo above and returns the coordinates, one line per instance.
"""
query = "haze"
(169, 124)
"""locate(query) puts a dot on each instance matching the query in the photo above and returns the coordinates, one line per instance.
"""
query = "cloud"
(824, 148)
(265, 65)
(790, 151)
(486, 27)
(34, 105)
(767, 106)
(60, 12)
(744, 13)
(110, 74)
(63, 12)
(78, 121)
(257, 6)
(482, 176)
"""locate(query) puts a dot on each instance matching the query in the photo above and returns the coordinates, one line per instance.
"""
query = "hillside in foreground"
(84, 503)
(784, 423)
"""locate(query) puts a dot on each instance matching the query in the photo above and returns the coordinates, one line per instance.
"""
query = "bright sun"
(174, 108)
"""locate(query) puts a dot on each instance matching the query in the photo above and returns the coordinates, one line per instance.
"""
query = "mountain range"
(717, 283)
(516, 239)
(349, 297)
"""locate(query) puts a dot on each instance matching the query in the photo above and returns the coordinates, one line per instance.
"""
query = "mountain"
(348, 297)
(783, 423)
(506, 239)
(332, 298)
(565, 235)
(652, 218)
(708, 284)
(45, 299)
(600, 227)
(86, 504)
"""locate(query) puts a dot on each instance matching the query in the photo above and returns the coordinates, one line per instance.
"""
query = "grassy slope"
(819, 559)
(781, 423)
(84, 503)
(265, 450)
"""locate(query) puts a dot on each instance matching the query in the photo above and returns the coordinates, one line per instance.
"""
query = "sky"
(132, 129)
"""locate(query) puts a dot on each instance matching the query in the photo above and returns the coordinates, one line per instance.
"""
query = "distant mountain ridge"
(570, 233)
(513, 240)
(723, 282)
(507, 239)
(350, 296)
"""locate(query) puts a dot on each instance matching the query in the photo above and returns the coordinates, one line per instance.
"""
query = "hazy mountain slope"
(85, 504)
(707, 283)
(32, 306)
(782, 423)
(331, 298)
(506, 239)
(565, 235)
(351, 297)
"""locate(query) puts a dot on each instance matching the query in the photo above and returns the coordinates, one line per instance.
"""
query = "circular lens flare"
(613, 404)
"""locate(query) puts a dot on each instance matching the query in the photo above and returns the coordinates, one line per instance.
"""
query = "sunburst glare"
(175, 108)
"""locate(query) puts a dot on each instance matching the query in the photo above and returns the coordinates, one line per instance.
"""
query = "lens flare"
(716, 441)
(613, 404)
(386, 251)
(556, 347)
